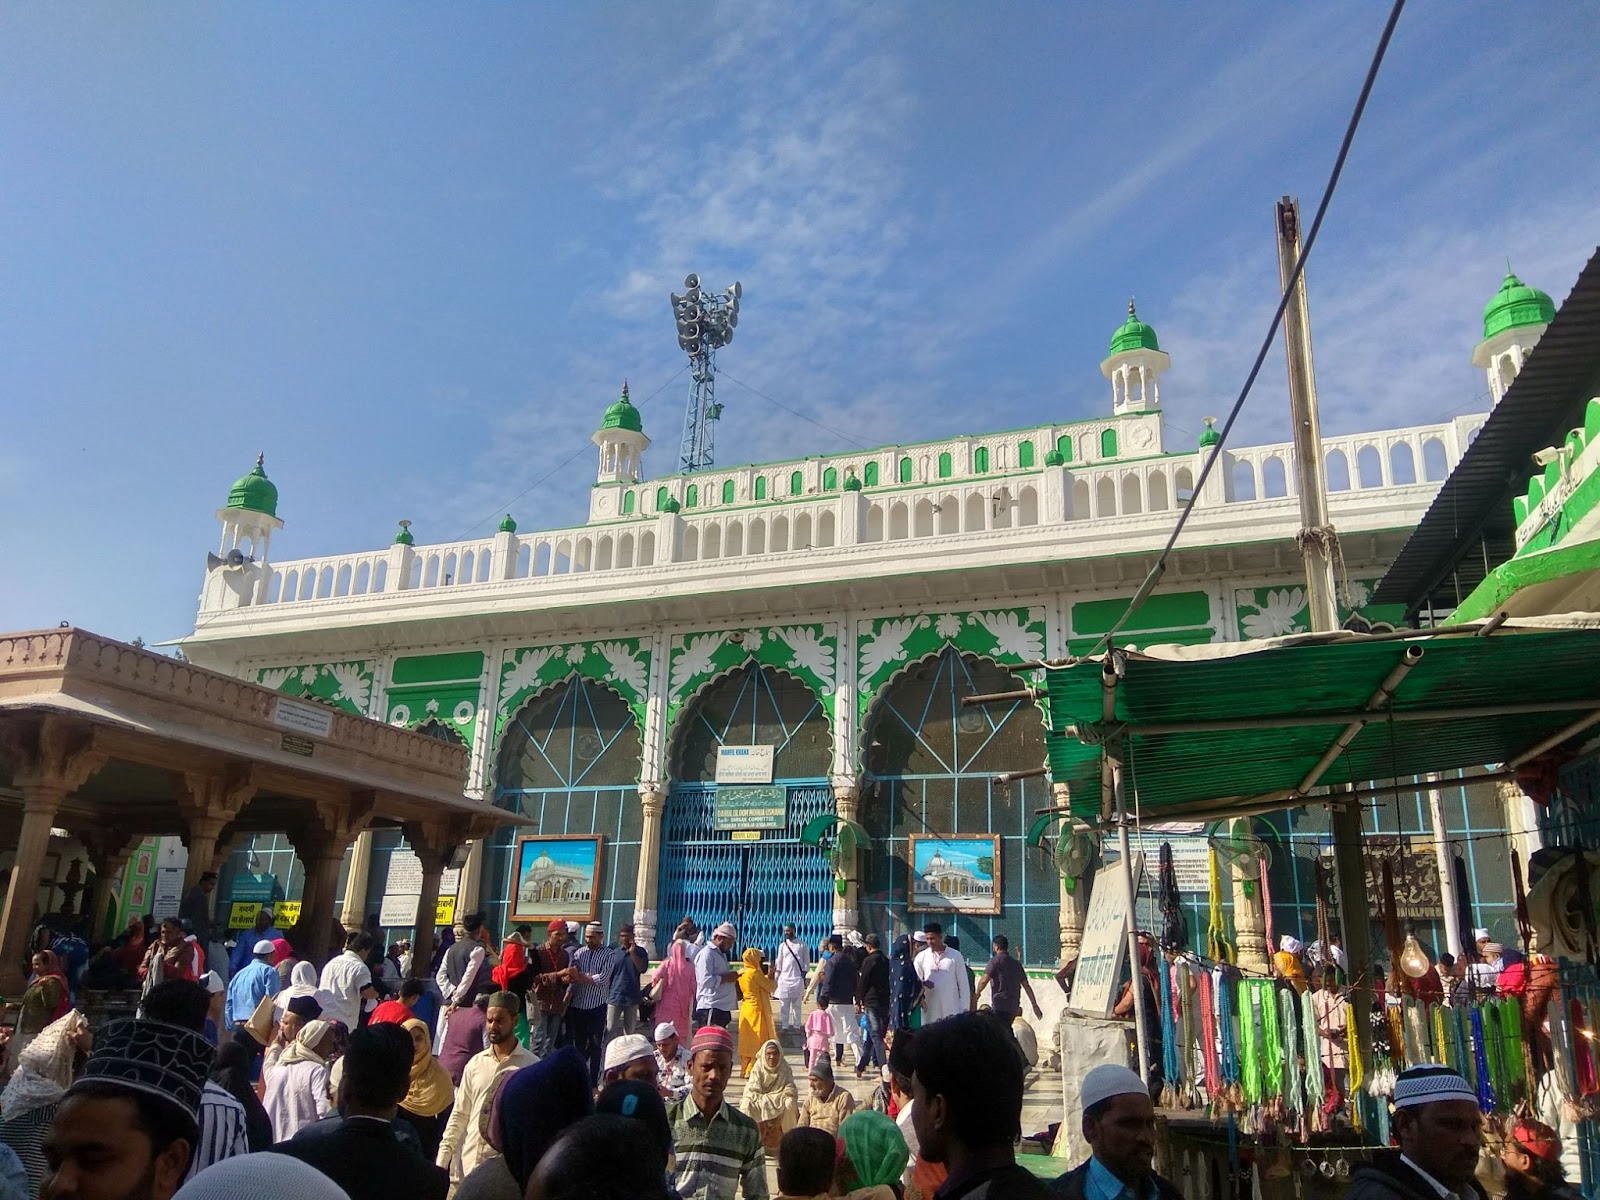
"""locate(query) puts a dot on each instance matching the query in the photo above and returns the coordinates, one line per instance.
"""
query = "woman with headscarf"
(46, 1000)
(875, 1156)
(426, 1106)
(756, 1027)
(297, 1090)
(905, 989)
(44, 1072)
(1286, 964)
(529, 1111)
(771, 1098)
(231, 1073)
(673, 989)
(302, 982)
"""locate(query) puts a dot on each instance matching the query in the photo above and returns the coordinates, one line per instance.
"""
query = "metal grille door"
(759, 886)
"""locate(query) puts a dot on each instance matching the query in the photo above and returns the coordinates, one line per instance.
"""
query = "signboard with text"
(744, 764)
(401, 911)
(742, 808)
(1105, 940)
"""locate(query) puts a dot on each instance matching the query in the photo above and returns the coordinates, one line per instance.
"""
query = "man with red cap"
(549, 963)
(1532, 1158)
(718, 1147)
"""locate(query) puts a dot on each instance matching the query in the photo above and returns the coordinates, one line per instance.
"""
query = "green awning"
(1245, 726)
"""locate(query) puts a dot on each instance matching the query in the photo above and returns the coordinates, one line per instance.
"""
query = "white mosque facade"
(834, 607)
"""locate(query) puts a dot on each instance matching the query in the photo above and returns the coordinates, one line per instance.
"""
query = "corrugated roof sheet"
(1469, 527)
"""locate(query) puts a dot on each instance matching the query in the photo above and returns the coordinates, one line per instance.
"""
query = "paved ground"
(1041, 1102)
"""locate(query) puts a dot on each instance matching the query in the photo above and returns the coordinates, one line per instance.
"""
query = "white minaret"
(622, 442)
(1513, 321)
(1134, 367)
(249, 519)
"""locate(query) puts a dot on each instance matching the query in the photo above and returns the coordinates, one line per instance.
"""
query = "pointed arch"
(907, 470)
(1336, 468)
(1024, 454)
(797, 483)
(899, 521)
(1274, 478)
(1402, 464)
(922, 519)
(830, 479)
(1132, 500)
(761, 487)
(869, 474)
(980, 460)
(728, 491)
(946, 465)
(826, 525)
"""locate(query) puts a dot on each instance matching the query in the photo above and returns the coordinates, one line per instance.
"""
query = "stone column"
(846, 801)
(653, 800)
(109, 852)
(209, 801)
(470, 895)
(318, 902)
(39, 805)
(1250, 926)
(434, 844)
(351, 914)
(1074, 900)
(330, 823)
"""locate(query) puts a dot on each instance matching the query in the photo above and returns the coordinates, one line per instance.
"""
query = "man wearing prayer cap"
(672, 1062)
(719, 1152)
(1439, 1128)
(715, 996)
(590, 977)
(463, 1145)
(1119, 1123)
(631, 1056)
(127, 1128)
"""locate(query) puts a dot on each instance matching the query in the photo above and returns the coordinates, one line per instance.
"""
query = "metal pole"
(1131, 895)
(1447, 875)
(1316, 546)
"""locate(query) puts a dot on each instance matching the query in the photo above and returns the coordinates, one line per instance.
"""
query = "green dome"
(1515, 305)
(622, 414)
(1209, 435)
(1055, 459)
(851, 483)
(1134, 334)
(255, 491)
(508, 525)
(404, 538)
(669, 505)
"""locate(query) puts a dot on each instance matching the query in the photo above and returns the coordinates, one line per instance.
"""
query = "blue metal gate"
(759, 886)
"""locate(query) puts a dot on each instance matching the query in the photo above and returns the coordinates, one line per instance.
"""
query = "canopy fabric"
(1245, 725)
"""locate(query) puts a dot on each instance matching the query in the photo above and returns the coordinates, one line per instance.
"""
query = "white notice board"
(1105, 940)
(744, 764)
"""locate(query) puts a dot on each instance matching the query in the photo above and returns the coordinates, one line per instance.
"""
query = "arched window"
(830, 479)
(869, 476)
(1064, 447)
(662, 495)
(1025, 454)
(1131, 499)
(931, 765)
(1369, 466)
(906, 470)
(761, 487)
(727, 491)
(797, 483)
(569, 762)
(627, 503)
(980, 460)
(1402, 463)
(691, 498)
(945, 465)
(1338, 471)
(1108, 443)
(1274, 478)
(1434, 464)
(1080, 501)
(1244, 481)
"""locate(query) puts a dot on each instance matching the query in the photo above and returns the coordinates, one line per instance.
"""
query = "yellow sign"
(243, 914)
(445, 914)
(745, 835)
(286, 913)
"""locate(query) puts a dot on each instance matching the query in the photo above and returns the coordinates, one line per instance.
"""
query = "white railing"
(1419, 457)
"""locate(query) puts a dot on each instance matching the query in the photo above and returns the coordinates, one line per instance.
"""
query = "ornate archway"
(760, 883)
(930, 767)
(569, 762)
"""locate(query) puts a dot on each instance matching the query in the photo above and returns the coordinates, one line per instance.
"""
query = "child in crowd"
(819, 1033)
(805, 1164)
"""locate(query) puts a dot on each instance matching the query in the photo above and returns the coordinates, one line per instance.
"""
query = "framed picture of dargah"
(556, 877)
(958, 873)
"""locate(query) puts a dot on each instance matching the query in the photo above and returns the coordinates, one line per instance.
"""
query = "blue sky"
(411, 252)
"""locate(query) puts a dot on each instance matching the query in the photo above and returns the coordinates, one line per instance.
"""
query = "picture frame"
(556, 877)
(954, 873)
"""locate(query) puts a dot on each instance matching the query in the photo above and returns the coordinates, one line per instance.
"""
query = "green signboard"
(752, 808)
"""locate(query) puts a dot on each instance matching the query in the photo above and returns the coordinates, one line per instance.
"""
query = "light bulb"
(1412, 959)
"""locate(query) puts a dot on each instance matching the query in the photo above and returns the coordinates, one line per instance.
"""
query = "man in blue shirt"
(264, 931)
(257, 980)
(590, 976)
(622, 993)
(1119, 1123)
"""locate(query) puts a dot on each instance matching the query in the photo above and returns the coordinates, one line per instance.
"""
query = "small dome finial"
(1131, 312)
(624, 389)
(261, 460)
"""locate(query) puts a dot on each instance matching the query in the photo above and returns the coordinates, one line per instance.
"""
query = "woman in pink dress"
(673, 989)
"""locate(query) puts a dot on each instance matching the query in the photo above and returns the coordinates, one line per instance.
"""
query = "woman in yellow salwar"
(756, 1028)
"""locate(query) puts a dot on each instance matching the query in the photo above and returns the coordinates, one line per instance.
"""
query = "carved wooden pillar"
(210, 801)
(434, 843)
(320, 840)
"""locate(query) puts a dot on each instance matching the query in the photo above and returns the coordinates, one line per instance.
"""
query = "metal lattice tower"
(706, 322)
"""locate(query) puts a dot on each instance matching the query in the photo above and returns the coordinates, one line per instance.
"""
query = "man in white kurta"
(464, 1146)
(793, 961)
(945, 988)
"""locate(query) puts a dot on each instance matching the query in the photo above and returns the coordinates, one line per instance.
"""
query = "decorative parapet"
(1565, 493)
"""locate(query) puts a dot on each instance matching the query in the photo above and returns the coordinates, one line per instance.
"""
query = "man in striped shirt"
(590, 972)
(718, 1148)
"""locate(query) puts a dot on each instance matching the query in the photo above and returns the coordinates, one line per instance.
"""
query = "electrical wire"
(1160, 565)
(562, 465)
(853, 439)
